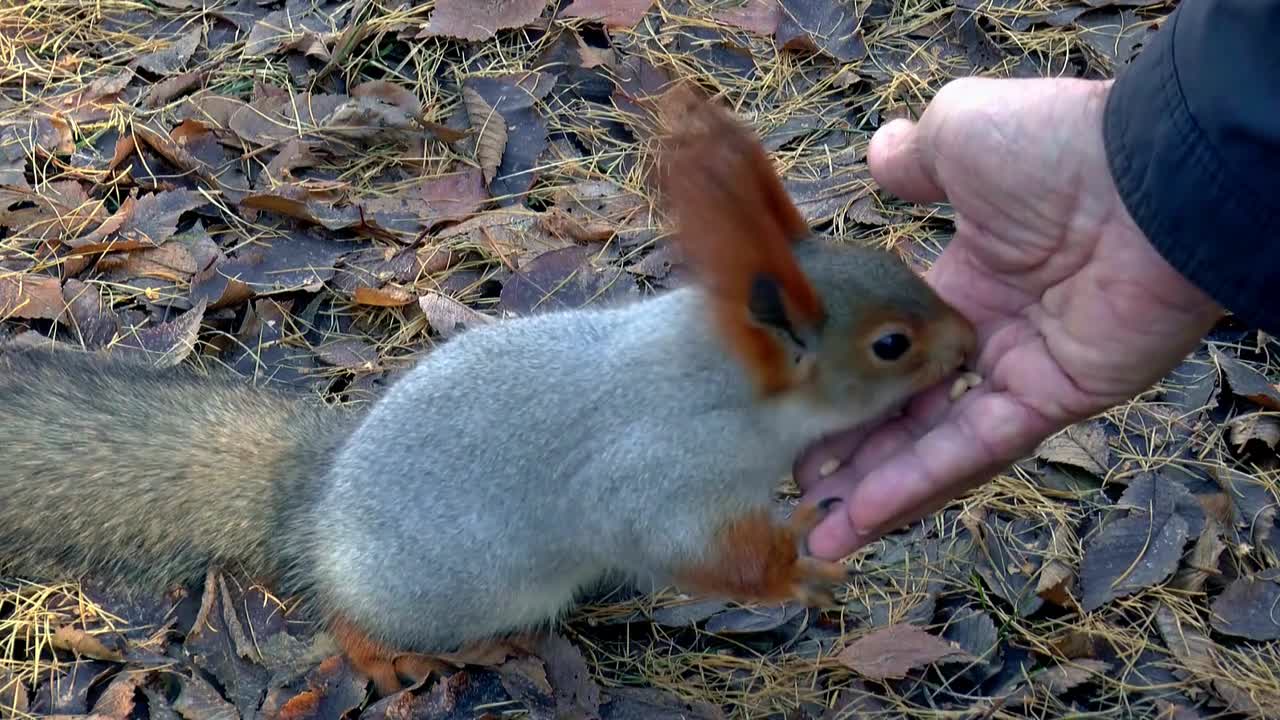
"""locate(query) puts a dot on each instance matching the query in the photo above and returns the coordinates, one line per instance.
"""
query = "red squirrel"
(519, 463)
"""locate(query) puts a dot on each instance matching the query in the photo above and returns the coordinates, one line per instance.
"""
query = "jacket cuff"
(1176, 186)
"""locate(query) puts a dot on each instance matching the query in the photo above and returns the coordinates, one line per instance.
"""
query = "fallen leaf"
(390, 93)
(511, 236)
(1249, 608)
(198, 700)
(480, 19)
(13, 693)
(1061, 678)
(31, 297)
(351, 353)
(332, 691)
(490, 132)
(173, 58)
(826, 26)
(75, 640)
(513, 100)
(93, 102)
(611, 13)
(284, 263)
(565, 278)
(469, 695)
(56, 210)
(117, 701)
(1254, 507)
(1247, 382)
(1192, 386)
(575, 691)
(756, 16)
(893, 651)
(1261, 427)
(1057, 577)
(1197, 657)
(1083, 445)
(1204, 559)
(296, 27)
(641, 703)
(155, 217)
(687, 614)
(386, 296)
(1014, 553)
(974, 632)
(746, 620)
(166, 344)
(447, 316)
(1132, 552)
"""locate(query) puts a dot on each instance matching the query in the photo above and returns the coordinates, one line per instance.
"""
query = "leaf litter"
(311, 193)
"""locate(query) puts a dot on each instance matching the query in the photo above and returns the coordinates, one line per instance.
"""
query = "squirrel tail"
(150, 474)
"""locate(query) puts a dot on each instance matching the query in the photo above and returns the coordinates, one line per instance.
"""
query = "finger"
(901, 165)
(988, 432)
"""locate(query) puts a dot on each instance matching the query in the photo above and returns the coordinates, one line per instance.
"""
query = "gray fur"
(515, 466)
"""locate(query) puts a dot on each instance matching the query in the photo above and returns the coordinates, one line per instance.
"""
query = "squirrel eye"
(891, 346)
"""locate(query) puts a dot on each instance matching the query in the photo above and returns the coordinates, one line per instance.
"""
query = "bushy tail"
(150, 474)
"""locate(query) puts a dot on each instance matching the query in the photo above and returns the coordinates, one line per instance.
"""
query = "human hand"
(1075, 310)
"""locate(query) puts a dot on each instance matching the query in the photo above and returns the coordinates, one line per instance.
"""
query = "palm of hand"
(1075, 310)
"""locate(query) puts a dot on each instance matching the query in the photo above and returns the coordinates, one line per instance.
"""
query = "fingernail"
(828, 467)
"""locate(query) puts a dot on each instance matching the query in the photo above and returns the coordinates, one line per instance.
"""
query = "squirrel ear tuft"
(735, 224)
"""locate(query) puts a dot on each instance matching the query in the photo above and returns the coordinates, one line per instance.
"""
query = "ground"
(314, 194)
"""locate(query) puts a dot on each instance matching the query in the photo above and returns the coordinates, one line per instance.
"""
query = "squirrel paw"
(815, 579)
(757, 559)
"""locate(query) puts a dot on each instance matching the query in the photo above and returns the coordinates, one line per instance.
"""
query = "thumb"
(901, 164)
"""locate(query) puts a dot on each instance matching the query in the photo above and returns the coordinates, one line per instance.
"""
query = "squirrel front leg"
(755, 558)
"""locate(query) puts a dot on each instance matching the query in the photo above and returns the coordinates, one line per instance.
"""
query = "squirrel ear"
(735, 224)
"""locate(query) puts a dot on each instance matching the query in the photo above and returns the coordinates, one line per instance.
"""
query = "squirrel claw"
(816, 581)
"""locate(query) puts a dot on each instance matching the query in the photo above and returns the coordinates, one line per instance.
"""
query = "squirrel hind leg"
(368, 657)
(757, 559)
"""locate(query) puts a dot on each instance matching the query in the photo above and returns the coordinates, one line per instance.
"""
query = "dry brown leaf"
(491, 132)
(166, 344)
(155, 217)
(386, 296)
(1203, 562)
(893, 651)
(612, 13)
(170, 88)
(447, 316)
(1262, 427)
(350, 353)
(1133, 552)
(511, 236)
(391, 94)
(1249, 608)
(31, 297)
(74, 640)
(1197, 655)
(480, 19)
(756, 16)
(1061, 678)
(1083, 445)
(1247, 382)
(173, 57)
(833, 28)
(116, 702)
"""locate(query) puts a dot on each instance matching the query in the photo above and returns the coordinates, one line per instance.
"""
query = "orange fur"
(755, 559)
(369, 658)
(734, 221)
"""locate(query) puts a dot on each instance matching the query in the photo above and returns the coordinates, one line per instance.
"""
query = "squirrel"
(517, 463)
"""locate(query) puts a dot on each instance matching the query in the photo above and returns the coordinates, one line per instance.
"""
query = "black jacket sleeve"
(1192, 129)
